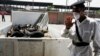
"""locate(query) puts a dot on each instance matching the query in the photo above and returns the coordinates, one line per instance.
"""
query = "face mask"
(76, 15)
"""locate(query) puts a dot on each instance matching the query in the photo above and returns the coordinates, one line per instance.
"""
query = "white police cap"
(78, 4)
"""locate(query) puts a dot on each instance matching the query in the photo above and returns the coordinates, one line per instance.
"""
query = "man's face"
(76, 9)
(76, 12)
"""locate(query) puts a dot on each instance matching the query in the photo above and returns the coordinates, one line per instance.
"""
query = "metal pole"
(66, 6)
(88, 8)
(33, 5)
(78, 0)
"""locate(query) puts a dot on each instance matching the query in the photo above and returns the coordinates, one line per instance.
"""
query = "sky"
(94, 3)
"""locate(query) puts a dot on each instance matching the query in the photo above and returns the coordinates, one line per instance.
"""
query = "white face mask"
(76, 15)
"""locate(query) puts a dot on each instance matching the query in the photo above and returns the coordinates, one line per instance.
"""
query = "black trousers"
(3, 18)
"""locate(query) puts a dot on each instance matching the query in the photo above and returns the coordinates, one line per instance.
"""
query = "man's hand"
(68, 22)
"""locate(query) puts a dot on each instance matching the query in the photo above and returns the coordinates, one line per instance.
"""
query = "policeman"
(82, 32)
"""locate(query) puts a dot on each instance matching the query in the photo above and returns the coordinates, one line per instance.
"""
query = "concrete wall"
(53, 16)
(57, 17)
(34, 47)
(7, 47)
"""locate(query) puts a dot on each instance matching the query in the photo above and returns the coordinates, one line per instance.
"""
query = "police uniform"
(89, 31)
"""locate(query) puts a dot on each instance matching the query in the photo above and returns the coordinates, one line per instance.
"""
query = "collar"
(80, 23)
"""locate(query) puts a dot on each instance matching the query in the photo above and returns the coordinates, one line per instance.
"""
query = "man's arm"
(96, 39)
(68, 24)
(65, 33)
